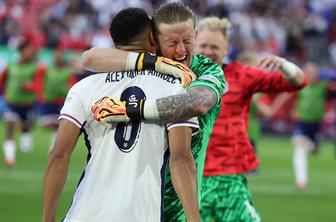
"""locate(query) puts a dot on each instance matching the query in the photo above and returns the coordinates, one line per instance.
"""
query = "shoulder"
(246, 71)
(88, 82)
(232, 66)
(201, 65)
(239, 67)
(200, 59)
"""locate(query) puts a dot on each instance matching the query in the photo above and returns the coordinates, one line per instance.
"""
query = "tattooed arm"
(197, 102)
(203, 94)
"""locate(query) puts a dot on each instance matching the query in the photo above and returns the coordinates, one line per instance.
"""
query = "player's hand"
(143, 61)
(271, 63)
(108, 110)
(177, 69)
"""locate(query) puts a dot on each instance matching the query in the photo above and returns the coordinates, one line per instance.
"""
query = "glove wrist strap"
(135, 111)
(141, 111)
(145, 61)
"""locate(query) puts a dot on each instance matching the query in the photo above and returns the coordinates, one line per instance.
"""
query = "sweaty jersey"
(123, 178)
(312, 98)
(209, 75)
(229, 150)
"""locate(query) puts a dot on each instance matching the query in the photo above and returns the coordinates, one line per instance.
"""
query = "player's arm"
(269, 110)
(111, 59)
(104, 59)
(196, 102)
(293, 74)
(57, 169)
(263, 109)
(203, 94)
(183, 171)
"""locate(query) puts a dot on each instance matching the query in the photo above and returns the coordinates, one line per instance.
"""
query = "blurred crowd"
(300, 29)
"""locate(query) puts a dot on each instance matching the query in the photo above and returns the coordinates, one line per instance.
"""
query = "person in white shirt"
(124, 176)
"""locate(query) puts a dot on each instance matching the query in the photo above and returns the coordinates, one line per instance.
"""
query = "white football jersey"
(123, 180)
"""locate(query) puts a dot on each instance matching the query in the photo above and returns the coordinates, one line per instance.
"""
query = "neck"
(134, 47)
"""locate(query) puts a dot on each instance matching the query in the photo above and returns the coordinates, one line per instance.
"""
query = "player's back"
(123, 179)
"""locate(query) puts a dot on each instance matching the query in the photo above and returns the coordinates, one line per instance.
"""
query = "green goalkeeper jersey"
(210, 75)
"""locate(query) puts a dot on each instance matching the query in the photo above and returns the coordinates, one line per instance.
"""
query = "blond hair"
(172, 13)
(215, 24)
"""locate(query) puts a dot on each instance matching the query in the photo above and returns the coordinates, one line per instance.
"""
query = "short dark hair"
(171, 13)
(129, 24)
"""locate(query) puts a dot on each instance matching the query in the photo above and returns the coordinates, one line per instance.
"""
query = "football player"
(174, 29)
(18, 83)
(230, 155)
(52, 87)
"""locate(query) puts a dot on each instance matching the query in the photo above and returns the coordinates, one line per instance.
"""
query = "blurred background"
(300, 30)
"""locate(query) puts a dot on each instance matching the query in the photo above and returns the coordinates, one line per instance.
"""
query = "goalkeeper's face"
(212, 44)
(177, 41)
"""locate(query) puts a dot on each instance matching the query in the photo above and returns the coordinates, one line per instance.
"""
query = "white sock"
(9, 150)
(300, 165)
(26, 142)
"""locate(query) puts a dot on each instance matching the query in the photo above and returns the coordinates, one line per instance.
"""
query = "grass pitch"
(272, 189)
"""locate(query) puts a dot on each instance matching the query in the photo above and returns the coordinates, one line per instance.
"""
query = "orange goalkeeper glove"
(177, 69)
(109, 110)
(142, 61)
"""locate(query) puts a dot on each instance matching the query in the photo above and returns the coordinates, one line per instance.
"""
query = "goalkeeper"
(175, 32)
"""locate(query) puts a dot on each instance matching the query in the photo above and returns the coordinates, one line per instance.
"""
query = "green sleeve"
(208, 74)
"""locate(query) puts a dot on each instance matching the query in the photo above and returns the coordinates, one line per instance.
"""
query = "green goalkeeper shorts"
(227, 199)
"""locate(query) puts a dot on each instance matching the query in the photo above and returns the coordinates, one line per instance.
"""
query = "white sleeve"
(73, 109)
(192, 123)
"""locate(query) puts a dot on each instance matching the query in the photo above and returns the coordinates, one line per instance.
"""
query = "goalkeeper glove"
(109, 110)
(142, 61)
